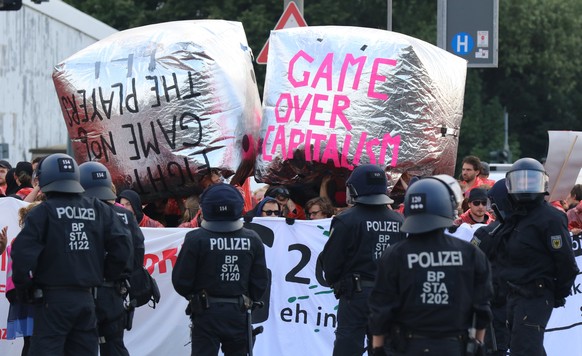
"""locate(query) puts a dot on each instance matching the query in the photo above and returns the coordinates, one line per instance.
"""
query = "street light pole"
(389, 17)
(506, 136)
(299, 4)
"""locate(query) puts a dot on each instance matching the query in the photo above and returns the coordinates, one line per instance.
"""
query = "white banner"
(301, 314)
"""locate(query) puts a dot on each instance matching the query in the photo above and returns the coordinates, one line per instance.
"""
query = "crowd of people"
(384, 260)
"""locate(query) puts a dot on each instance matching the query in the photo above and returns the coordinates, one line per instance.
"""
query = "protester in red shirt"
(470, 174)
(290, 208)
(484, 175)
(477, 213)
(575, 219)
(23, 178)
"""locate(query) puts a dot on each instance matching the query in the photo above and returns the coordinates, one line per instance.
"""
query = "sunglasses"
(272, 212)
(314, 212)
(479, 202)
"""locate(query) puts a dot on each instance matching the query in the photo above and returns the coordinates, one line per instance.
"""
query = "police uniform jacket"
(358, 237)
(70, 240)
(137, 238)
(539, 248)
(431, 284)
(225, 264)
(488, 239)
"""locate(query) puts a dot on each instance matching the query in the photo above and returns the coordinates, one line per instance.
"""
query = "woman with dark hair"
(23, 177)
(11, 184)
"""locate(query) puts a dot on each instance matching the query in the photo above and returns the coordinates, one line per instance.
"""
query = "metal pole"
(389, 17)
(506, 135)
(441, 23)
(299, 4)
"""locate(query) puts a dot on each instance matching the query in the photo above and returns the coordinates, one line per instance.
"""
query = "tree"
(537, 78)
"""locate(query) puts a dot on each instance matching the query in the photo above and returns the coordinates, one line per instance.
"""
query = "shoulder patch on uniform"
(556, 242)
(475, 241)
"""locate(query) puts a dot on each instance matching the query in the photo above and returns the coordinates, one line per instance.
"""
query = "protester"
(332, 187)
(319, 208)
(290, 208)
(268, 207)
(357, 238)
(421, 304)
(61, 274)
(214, 176)
(259, 194)
(477, 212)
(35, 162)
(192, 217)
(130, 200)
(484, 175)
(20, 314)
(471, 167)
(4, 168)
(11, 185)
(23, 177)
(574, 212)
(575, 219)
(3, 239)
(574, 197)
(219, 298)
(536, 257)
(167, 211)
(561, 205)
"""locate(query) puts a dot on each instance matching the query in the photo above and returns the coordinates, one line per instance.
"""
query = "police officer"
(358, 237)
(431, 288)
(66, 248)
(488, 238)
(220, 269)
(112, 316)
(535, 258)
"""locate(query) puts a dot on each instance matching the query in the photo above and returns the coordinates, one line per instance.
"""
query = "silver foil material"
(162, 104)
(337, 97)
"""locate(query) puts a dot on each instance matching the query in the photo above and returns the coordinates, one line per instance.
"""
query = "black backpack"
(143, 289)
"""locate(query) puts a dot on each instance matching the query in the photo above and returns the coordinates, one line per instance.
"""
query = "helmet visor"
(526, 181)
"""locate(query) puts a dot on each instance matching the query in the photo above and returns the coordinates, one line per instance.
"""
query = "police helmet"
(429, 204)
(59, 172)
(526, 180)
(367, 185)
(499, 199)
(222, 207)
(453, 184)
(96, 180)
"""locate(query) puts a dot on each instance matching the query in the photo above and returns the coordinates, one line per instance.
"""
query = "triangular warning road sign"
(291, 18)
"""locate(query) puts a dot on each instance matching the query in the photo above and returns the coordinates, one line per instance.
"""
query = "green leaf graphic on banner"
(325, 232)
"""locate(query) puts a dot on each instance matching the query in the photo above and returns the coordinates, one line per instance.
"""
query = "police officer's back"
(358, 237)
(536, 258)
(488, 238)
(220, 268)
(430, 288)
(112, 316)
(67, 246)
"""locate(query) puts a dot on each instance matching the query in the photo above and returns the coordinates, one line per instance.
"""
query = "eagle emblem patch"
(556, 242)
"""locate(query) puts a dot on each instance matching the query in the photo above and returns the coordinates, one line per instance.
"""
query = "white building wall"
(32, 41)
